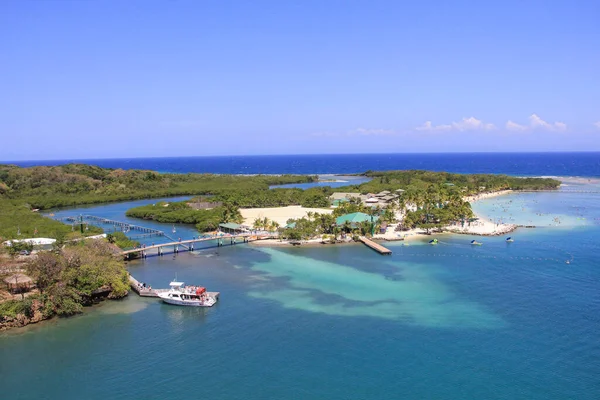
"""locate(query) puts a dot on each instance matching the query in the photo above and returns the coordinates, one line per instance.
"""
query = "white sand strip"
(279, 214)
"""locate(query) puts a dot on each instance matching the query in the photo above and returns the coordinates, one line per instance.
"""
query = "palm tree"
(273, 226)
(347, 227)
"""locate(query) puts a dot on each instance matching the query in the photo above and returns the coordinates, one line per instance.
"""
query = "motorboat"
(509, 239)
(192, 296)
(433, 241)
(476, 243)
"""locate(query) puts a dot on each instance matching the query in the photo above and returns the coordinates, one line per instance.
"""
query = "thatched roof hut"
(18, 283)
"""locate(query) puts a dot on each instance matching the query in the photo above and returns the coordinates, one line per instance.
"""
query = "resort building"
(37, 243)
(355, 219)
(231, 228)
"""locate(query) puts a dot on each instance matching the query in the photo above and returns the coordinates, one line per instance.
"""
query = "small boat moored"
(509, 240)
(433, 241)
(191, 296)
(476, 243)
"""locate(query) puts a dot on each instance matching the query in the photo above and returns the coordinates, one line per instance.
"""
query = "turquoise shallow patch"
(418, 297)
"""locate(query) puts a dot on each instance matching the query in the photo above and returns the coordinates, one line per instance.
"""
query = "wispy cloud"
(535, 122)
(513, 126)
(597, 124)
(466, 124)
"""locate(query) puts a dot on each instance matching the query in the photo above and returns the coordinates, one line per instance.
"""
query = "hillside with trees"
(76, 184)
(467, 184)
(66, 281)
(17, 220)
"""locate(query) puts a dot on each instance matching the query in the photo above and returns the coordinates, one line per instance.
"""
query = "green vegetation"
(257, 198)
(17, 247)
(69, 279)
(265, 224)
(180, 212)
(122, 241)
(434, 207)
(465, 183)
(76, 184)
(437, 195)
(209, 219)
(16, 217)
(306, 228)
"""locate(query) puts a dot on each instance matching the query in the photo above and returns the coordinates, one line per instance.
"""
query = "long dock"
(122, 226)
(189, 244)
(137, 287)
(375, 246)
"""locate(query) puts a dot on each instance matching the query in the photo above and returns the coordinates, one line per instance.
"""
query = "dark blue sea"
(501, 321)
(521, 164)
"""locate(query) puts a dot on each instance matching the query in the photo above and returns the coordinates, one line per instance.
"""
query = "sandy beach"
(279, 214)
(482, 226)
(486, 195)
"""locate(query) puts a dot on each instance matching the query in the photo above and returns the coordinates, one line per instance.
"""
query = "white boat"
(191, 296)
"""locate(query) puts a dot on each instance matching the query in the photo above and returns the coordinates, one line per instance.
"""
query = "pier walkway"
(375, 246)
(189, 244)
(122, 226)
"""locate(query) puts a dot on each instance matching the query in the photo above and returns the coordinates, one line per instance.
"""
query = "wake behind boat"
(191, 296)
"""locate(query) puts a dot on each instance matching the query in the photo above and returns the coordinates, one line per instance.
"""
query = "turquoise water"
(499, 321)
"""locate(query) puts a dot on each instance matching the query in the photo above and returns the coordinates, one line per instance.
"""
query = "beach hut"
(18, 283)
(355, 219)
(232, 228)
(338, 202)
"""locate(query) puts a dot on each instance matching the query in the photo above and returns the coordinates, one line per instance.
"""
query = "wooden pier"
(375, 246)
(118, 225)
(183, 245)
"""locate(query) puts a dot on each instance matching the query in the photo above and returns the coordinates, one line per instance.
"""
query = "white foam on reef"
(417, 298)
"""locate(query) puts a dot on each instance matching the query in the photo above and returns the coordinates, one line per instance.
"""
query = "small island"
(392, 205)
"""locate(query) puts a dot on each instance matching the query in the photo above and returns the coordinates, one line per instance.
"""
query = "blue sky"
(95, 79)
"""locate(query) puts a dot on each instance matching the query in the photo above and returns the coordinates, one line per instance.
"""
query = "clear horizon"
(300, 154)
(177, 79)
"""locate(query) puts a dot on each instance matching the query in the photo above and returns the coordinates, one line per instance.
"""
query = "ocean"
(521, 164)
(498, 321)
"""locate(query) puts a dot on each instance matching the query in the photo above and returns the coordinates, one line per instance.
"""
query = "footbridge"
(140, 231)
(182, 245)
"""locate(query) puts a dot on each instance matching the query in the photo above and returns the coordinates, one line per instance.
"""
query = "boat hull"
(188, 303)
